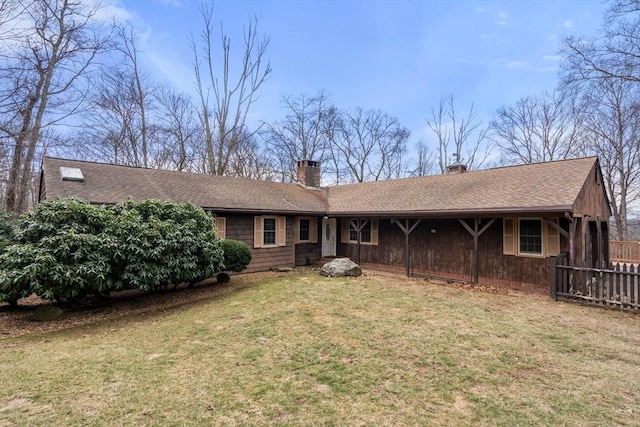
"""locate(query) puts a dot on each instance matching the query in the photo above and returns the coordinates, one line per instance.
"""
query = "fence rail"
(618, 287)
(624, 252)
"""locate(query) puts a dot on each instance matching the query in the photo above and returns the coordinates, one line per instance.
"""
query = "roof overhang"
(457, 213)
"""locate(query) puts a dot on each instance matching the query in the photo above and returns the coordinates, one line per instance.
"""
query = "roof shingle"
(110, 184)
(550, 186)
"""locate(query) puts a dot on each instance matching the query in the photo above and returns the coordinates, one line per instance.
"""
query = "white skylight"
(71, 174)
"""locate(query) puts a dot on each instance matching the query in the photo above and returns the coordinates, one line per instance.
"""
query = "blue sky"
(399, 56)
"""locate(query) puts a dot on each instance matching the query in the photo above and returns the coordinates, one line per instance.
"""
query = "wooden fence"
(624, 252)
(618, 287)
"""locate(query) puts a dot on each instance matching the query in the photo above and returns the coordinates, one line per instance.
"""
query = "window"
(368, 232)
(306, 230)
(269, 236)
(269, 231)
(530, 236)
(353, 233)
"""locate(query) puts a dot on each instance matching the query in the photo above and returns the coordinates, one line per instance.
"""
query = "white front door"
(329, 226)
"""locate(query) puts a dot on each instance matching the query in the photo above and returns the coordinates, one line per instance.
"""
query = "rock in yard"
(45, 313)
(340, 267)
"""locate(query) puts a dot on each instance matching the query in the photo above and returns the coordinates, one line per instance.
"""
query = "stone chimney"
(309, 173)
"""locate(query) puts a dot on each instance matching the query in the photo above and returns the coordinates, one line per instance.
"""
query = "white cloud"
(110, 10)
(502, 19)
(552, 57)
(518, 65)
(567, 24)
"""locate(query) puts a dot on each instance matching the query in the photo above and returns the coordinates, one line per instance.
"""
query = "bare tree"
(140, 89)
(460, 139)
(179, 131)
(425, 161)
(118, 127)
(538, 129)
(616, 54)
(365, 144)
(612, 124)
(225, 100)
(249, 161)
(300, 135)
(41, 74)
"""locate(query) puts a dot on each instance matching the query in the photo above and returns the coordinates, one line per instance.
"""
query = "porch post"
(476, 233)
(572, 238)
(600, 245)
(407, 231)
(358, 227)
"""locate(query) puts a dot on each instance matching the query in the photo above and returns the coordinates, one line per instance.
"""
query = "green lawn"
(308, 350)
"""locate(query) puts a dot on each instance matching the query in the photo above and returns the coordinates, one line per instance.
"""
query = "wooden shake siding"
(310, 253)
(591, 200)
(240, 227)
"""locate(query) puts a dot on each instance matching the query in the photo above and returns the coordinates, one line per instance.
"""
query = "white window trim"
(541, 254)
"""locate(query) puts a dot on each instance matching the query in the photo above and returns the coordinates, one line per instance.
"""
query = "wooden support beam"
(560, 230)
(572, 238)
(476, 234)
(600, 245)
(358, 226)
(406, 229)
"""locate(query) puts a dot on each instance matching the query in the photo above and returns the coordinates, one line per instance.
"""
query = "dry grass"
(307, 350)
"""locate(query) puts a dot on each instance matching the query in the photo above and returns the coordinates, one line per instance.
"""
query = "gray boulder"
(340, 267)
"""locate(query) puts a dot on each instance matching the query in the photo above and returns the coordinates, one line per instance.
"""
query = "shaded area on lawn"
(18, 321)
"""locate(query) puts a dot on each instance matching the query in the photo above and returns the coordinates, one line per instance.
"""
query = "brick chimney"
(455, 168)
(309, 173)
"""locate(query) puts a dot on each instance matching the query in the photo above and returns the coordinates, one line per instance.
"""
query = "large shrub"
(68, 248)
(160, 243)
(237, 255)
(60, 251)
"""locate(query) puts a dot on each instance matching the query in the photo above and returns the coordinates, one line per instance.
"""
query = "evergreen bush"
(237, 255)
(68, 248)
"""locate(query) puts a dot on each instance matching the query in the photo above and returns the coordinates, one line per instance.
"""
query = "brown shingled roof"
(550, 186)
(109, 184)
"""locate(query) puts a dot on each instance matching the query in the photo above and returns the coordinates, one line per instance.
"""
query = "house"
(498, 225)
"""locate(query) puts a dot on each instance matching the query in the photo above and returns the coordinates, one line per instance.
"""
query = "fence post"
(553, 284)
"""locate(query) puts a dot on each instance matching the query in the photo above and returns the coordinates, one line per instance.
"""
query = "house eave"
(255, 211)
(455, 213)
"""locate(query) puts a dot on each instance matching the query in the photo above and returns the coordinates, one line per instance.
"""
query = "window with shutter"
(269, 231)
(306, 230)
